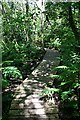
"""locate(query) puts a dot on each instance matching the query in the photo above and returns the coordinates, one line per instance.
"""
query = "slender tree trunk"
(27, 7)
(72, 24)
(27, 10)
(74, 29)
(2, 8)
(42, 21)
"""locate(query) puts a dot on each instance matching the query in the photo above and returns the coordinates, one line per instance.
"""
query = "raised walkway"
(27, 104)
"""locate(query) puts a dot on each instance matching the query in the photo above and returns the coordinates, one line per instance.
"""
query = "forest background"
(27, 29)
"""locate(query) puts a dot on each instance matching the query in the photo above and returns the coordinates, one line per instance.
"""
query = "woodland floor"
(27, 103)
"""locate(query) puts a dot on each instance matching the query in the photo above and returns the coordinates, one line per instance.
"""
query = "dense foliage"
(25, 32)
(65, 35)
(20, 51)
(18, 47)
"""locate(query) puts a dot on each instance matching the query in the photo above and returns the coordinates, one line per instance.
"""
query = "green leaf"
(66, 82)
(54, 89)
(75, 85)
(11, 71)
(5, 83)
(49, 91)
(64, 95)
(61, 67)
(54, 76)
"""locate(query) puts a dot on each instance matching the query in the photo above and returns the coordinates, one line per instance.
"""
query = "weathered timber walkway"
(27, 104)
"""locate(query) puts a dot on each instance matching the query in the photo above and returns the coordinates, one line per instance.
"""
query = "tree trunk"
(72, 23)
(74, 29)
(27, 7)
(2, 8)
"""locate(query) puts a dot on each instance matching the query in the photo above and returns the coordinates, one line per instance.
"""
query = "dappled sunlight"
(21, 105)
(27, 102)
(43, 71)
(41, 57)
(35, 107)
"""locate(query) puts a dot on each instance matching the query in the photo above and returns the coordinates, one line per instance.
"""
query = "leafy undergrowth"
(7, 98)
(67, 82)
(12, 77)
(24, 31)
(20, 52)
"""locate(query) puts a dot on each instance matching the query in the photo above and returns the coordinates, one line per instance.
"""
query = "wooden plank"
(27, 104)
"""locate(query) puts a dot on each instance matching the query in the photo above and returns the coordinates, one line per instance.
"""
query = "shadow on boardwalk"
(27, 104)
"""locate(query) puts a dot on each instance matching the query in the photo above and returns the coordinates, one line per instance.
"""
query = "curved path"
(27, 104)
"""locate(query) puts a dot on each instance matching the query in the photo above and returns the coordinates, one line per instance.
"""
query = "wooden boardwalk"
(27, 104)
